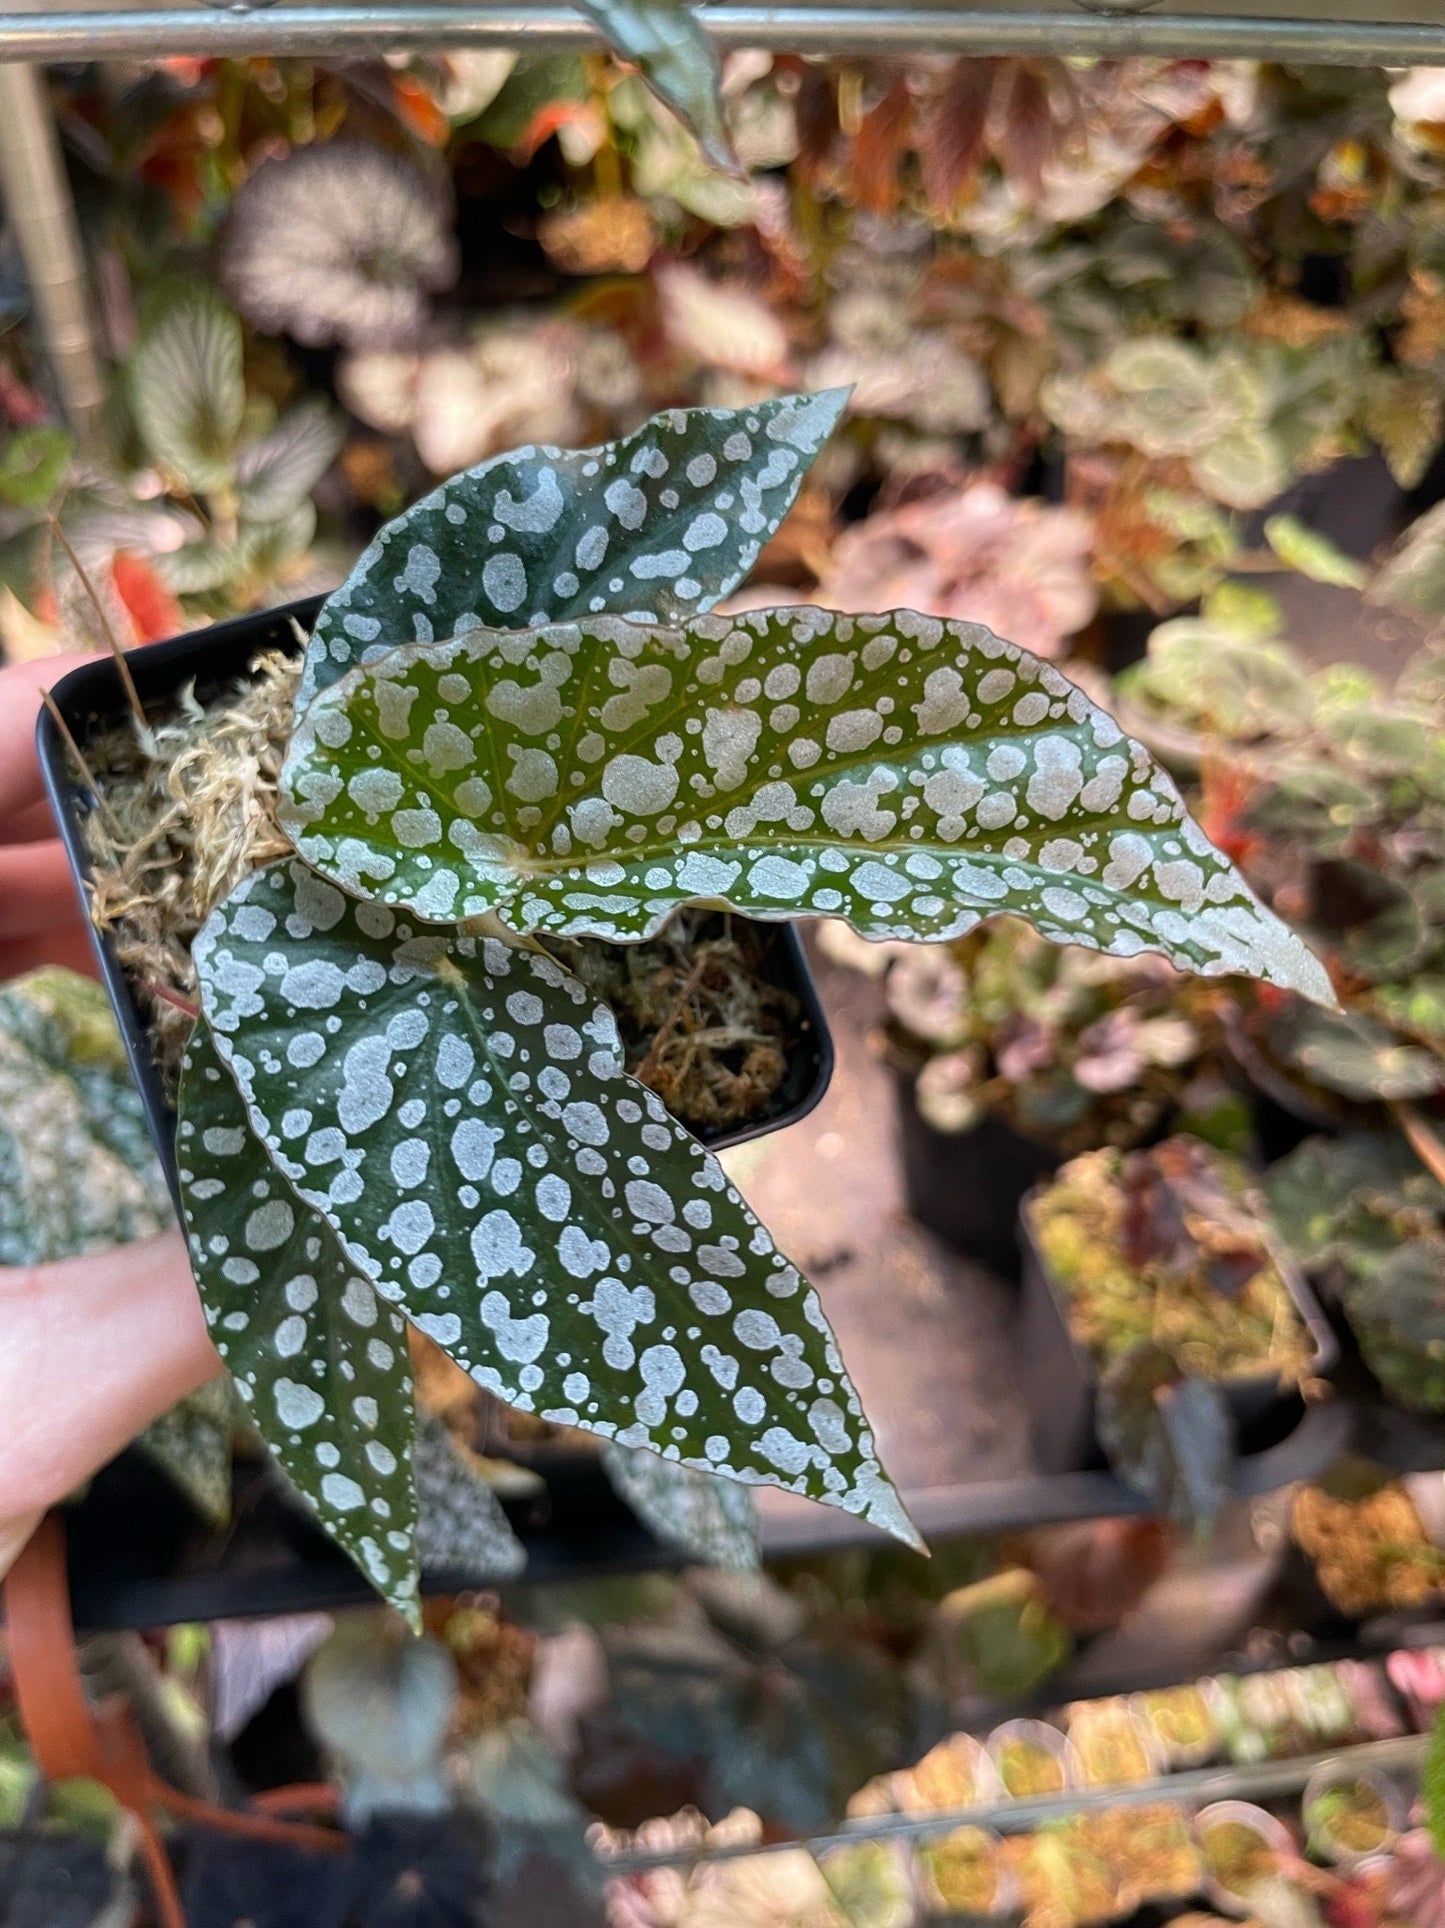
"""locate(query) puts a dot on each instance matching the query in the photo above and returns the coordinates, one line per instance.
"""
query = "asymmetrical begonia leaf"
(908, 774)
(709, 1519)
(318, 1357)
(660, 526)
(457, 1110)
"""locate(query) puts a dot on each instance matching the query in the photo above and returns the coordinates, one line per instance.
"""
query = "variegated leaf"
(192, 1444)
(709, 1519)
(660, 525)
(318, 1357)
(908, 774)
(457, 1109)
(188, 389)
(461, 1528)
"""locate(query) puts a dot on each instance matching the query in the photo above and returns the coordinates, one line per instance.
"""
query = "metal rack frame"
(32, 177)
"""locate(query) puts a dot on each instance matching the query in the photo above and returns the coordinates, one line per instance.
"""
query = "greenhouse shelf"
(1390, 31)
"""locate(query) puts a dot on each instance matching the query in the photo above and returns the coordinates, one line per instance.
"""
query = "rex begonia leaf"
(908, 774)
(659, 526)
(319, 1359)
(458, 1110)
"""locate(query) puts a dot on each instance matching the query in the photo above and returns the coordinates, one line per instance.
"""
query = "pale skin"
(91, 1349)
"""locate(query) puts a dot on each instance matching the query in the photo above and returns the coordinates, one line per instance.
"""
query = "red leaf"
(878, 149)
(1026, 137)
(951, 143)
(154, 612)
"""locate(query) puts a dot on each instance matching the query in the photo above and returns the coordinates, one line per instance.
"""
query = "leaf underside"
(586, 1259)
(908, 774)
(547, 535)
(318, 1357)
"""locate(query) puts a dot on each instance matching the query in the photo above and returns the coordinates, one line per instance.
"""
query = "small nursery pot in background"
(1062, 1379)
(1350, 1813)
(1032, 1758)
(1242, 1844)
(92, 701)
(966, 1186)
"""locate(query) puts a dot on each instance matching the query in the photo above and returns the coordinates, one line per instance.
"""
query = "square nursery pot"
(92, 701)
(966, 1187)
(1059, 1376)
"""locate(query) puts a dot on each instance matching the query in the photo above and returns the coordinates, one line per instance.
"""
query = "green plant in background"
(362, 1060)
(1075, 1049)
(1368, 1220)
(206, 508)
(1330, 789)
(1163, 1259)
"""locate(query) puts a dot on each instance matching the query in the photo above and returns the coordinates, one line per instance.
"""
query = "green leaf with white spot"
(665, 39)
(456, 1108)
(318, 1357)
(908, 774)
(659, 526)
(707, 1518)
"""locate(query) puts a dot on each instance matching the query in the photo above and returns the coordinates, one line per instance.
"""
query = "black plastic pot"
(966, 1186)
(92, 701)
(1060, 1376)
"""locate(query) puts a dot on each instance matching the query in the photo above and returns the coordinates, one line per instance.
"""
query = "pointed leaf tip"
(475, 1148)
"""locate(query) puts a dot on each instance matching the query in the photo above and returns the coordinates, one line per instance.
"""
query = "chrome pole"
(37, 195)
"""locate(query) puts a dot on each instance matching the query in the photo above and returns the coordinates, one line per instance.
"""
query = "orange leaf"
(154, 612)
(877, 150)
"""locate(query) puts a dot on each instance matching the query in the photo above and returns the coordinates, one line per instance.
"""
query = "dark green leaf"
(908, 774)
(1168, 1435)
(546, 535)
(318, 1357)
(458, 1111)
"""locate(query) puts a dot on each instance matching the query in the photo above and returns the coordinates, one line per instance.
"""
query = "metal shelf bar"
(351, 30)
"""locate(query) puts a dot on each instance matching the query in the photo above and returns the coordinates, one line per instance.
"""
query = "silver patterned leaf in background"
(457, 1110)
(659, 525)
(461, 1528)
(319, 1359)
(908, 774)
(188, 390)
(709, 1519)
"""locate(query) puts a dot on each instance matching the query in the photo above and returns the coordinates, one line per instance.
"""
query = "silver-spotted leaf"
(908, 774)
(192, 1444)
(319, 1358)
(665, 39)
(709, 1519)
(461, 1528)
(660, 525)
(457, 1109)
(77, 1169)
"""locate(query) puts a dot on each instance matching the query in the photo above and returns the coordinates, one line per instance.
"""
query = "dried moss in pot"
(190, 809)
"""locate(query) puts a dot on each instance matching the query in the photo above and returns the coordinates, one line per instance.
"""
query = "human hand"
(42, 919)
(91, 1349)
